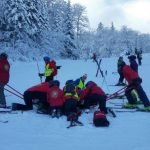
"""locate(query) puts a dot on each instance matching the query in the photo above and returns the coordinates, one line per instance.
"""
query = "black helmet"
(46, 58)
(54, 82)
(69, 82)
(132, 57)
(122, 64)
(3, 55)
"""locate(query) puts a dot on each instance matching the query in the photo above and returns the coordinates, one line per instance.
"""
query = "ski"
(75, 123)
(71, 126)
(1, 121)
(111, 112)
(132, 111)
(136, 109)
(5, 110)
(118, 97)
(8, 112)
(124, 108)
(121, 84)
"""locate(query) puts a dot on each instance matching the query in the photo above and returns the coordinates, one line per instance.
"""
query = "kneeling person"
(35, 94)
(55, 98)
(94, 95)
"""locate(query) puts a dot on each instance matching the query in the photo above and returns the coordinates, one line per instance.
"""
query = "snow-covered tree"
(69, 41)
(80, 19)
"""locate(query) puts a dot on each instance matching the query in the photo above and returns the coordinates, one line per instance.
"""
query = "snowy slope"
(31, 131)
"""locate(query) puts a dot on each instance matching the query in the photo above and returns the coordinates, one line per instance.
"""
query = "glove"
(41, 74)
(58, 67)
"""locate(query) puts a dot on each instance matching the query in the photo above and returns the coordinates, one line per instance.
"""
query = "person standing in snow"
(50, 69)
(94, 57)
(134, 82)
(4, 77)
(133, 63)
(121, 78)
(139, 56)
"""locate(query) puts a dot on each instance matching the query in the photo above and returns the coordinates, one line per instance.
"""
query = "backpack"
(100, 120)
(70, 88)
(55, 68)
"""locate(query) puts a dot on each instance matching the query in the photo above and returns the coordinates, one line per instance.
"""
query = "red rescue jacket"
(55, 96)
(43, 87)
(4, 71)
(92, 89)
(129, 74)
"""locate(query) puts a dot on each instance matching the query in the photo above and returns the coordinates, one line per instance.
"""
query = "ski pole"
(119, 92)
(39, 70)
(14, 90)
(13, 93)
(116, 93)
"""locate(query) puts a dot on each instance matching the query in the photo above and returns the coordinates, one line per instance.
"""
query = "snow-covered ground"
(31, 131)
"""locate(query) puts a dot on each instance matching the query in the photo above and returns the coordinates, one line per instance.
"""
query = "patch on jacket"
(54, 94)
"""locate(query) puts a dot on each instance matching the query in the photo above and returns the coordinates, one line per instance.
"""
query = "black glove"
(41, 74)
(136, 82)
(58, 67)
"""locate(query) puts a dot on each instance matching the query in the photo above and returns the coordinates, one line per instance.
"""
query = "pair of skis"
(5, 110)
(132, 110)
(74, 123)
(3, 121)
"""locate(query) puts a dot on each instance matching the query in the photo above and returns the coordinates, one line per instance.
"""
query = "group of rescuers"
(76, 94)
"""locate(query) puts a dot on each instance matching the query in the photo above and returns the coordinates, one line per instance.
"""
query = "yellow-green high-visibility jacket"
(81, 84)
(48, 70)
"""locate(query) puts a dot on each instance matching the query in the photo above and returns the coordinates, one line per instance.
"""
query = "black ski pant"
(49, 78)
(29, 96)
(94, 99)
(57, 108)
(130, 98)
(136, 84)
(70, 106)
(121, 77)
(139, 61)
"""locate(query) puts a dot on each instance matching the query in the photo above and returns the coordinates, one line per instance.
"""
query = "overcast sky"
(133, 13)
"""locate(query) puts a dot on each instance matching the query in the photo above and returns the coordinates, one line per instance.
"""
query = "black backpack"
(70, 88)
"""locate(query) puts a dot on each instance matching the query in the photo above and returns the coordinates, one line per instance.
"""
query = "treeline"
(30, 29)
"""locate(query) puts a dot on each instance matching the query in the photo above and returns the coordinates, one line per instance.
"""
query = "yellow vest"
(70, 94)
(48, 71)
(81, 85)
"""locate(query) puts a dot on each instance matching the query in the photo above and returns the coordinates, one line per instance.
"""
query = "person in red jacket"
(134, 82)
(94, 95)
(4, 77)
(55, 98)
(35, 94)
(50, 69)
